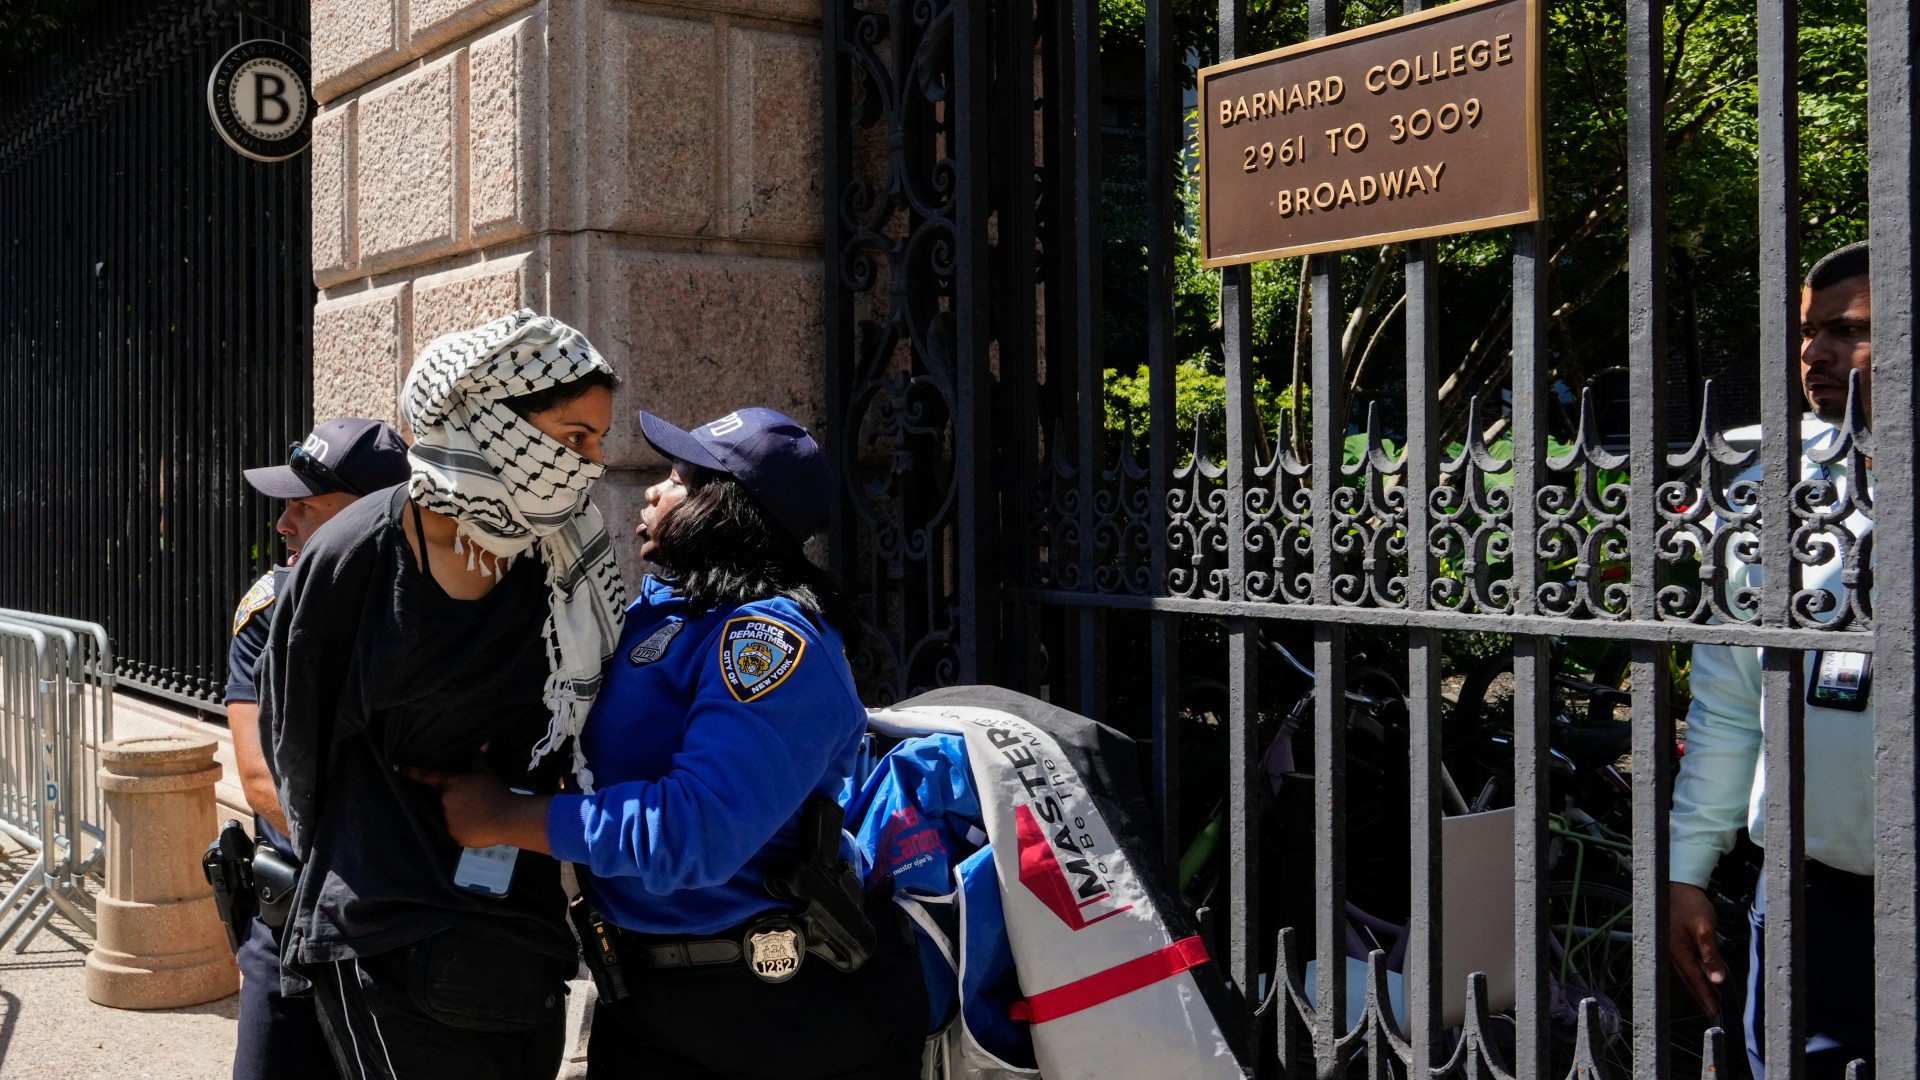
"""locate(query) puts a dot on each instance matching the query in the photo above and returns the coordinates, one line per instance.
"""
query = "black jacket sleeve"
(307, 681)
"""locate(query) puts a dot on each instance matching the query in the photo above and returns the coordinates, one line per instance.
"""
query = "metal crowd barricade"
(56, 708)
(86, 719)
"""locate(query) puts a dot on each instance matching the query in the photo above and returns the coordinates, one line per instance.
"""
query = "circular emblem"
(259, 100)
(775, 947)
(755, 660)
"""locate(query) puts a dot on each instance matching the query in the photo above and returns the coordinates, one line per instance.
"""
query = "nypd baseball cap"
(770, 454)
(352, 454)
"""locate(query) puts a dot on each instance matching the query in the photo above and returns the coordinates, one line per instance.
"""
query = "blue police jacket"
(709, 735)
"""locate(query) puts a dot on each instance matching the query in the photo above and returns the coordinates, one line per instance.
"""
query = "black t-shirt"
(371, 659)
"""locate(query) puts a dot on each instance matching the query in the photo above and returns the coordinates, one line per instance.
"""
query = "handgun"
(228, 865)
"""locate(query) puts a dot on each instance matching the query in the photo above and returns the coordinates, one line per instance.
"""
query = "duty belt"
(771, 946)
(694, 953)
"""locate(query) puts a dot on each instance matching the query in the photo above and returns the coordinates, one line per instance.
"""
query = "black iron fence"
(1002, 528)
(155, 337)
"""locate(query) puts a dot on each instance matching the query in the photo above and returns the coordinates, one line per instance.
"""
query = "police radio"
(597, 946)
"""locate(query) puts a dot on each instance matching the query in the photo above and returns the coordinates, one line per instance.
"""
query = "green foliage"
(27, 26)
(1712, 179)
(1711, 194)
(1200, 399)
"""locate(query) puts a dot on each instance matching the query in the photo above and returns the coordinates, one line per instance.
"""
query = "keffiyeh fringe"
(511, 488)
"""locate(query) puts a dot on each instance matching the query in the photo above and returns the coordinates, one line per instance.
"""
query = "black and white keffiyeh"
(512, 488)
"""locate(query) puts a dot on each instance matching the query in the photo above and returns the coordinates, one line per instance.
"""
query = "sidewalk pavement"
(49, 1030)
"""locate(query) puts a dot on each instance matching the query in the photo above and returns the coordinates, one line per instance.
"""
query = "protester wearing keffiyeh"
(511, 488)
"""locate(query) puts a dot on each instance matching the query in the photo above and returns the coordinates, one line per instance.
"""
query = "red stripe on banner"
(1102, 987)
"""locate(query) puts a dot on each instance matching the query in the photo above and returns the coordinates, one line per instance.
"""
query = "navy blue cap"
(769, 453)
(366, 454)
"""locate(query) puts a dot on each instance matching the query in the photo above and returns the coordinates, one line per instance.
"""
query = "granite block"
(357, 350)
(774, 140)
(334, 256)
(701, 335)
(464, 298)
(506, 87)
(353, 41)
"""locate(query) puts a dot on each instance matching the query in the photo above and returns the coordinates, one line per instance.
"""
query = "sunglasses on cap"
(312, 468)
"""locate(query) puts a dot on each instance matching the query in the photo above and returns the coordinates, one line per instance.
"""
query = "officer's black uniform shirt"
(251, 619)
(369, 667)
(250, 622)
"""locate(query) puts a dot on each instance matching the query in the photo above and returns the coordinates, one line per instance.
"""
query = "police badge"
(775, 947)
(656, 644)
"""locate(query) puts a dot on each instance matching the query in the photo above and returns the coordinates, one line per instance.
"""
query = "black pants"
(279, 1037)
(1839, 1007)
(453, 1005)
(722, 1023)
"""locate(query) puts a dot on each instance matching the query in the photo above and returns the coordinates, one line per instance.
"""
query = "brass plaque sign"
(1419, 126)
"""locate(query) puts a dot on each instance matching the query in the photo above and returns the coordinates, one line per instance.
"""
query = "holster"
(274, 876)
(825, 891)
(228, 865)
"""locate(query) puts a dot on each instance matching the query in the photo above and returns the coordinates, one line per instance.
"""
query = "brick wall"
(649, 173)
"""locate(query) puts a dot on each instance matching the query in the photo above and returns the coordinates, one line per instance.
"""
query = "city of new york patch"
(258, 598)
(757, 654)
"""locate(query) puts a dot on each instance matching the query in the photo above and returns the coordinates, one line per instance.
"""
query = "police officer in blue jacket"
(727, 707)
(279, 1038)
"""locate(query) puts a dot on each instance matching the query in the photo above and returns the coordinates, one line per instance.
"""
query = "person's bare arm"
(481, 811)
(256, 780)
(1693, 944)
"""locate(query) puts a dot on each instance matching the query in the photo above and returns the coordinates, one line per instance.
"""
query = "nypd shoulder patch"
(258, 598)
(757, 654)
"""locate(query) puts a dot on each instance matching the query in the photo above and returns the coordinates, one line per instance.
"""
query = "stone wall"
(648, 172)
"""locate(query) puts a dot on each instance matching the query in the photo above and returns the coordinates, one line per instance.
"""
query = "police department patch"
(757, 654)
(655, 646)
(258, 598)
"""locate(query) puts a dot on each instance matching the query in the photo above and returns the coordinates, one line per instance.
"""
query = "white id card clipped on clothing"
(488, 870)
(1840, 680)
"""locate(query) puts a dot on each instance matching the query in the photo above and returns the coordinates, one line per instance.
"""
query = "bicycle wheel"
(1590, 954)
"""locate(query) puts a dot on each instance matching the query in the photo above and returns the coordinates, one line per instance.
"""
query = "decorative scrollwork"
(1704, 511)
(1062, 515)
(1279, 513)
(1471, 512)
(1055, 520)
(1122, 520)
(895, 250)
(1103, 544)
(1197, 524)
(1832, 523)
(1369, 521)
(1710, 512)
(1582, 536)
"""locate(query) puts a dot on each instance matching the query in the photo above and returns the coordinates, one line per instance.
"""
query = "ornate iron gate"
(996, 536)
(156, 337)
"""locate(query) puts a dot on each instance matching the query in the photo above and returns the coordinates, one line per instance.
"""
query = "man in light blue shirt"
(1721, 785)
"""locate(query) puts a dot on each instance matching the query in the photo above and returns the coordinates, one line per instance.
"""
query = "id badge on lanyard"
(1841, 680)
